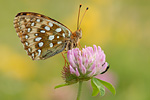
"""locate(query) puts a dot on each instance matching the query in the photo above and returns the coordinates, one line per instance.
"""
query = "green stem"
(79, 90)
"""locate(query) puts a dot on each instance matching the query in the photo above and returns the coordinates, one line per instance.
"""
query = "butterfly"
(44, 37)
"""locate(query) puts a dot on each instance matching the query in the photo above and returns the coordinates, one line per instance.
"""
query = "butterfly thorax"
(74, 40)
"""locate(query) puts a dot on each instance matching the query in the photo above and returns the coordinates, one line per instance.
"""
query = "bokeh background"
(120, 27)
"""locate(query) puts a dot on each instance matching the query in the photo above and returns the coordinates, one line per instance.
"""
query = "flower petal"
(92, 73)
(103, 58)
(93, 66)
(75, 52)
(72, 71)
(86, 63)
(104, 67)
(71, 58)
(77, 72)
(95, 48)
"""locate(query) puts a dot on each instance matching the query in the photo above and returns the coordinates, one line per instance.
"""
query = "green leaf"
(97, 87)
(61, 85)
(108, 86)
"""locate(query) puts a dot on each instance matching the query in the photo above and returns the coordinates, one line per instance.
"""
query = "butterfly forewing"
(41, 36)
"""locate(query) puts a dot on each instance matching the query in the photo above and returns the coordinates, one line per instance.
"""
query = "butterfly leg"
(80, 47)
(66, 62)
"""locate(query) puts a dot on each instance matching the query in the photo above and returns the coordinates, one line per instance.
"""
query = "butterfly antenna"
(78, 16)
(82, 17)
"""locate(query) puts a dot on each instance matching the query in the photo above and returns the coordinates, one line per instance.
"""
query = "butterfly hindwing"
(41, 36)
(52, 51)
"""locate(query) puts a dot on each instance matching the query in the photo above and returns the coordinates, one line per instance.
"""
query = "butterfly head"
(79, 33)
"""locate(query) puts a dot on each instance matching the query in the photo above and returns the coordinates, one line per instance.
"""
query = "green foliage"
(108, 86)
(98, 87)
(61, 85)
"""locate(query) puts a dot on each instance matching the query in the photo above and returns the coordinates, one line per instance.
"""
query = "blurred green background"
(120, 27)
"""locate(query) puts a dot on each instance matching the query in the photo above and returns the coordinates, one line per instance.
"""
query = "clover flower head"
(85, 63)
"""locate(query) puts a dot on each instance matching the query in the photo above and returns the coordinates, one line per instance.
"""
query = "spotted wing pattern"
(41, 36)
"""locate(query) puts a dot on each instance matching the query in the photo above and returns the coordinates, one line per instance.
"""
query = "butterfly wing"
(41, 36)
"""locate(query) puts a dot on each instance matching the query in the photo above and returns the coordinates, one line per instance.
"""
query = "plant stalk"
(79, 90)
